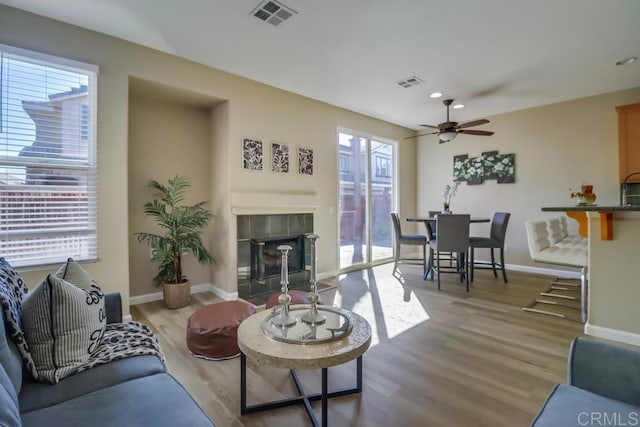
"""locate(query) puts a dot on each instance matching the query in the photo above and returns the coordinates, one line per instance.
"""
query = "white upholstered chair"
(550, 242)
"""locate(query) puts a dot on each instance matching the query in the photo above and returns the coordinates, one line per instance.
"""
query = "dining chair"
(495, 240)
(430, 227)
(408, 239)
(452, 236)
(431, 230)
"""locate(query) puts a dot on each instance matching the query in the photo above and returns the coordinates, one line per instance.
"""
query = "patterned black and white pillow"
(63, 325)
(12, 291)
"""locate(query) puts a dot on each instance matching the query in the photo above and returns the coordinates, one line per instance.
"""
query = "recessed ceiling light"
(435, 95)
(458, 106)
(626, 61)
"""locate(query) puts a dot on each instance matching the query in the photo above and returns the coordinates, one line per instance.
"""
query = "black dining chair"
(408, 239)
(495, 240)
(452, 236)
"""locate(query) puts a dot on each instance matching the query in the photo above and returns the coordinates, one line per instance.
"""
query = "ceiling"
(494, 56)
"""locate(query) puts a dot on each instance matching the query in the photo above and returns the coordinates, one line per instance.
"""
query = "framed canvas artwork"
(279, 157)
(252, 154)
(305, 161)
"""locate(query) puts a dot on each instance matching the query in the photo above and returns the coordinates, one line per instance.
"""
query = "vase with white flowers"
(449, 192)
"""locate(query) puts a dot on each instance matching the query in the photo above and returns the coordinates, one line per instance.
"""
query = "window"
(365, 200)
(47, 159)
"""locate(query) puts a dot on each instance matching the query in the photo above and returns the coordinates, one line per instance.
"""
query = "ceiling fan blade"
(473, 123)
(417, 136)
(431, 126)
(476, 132)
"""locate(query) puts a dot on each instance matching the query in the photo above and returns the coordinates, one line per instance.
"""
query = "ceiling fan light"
(447, 136)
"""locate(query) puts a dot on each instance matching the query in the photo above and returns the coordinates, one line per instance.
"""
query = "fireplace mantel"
(252, 203)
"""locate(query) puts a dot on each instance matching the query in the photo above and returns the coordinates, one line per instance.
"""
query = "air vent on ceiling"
(410, 81)
(272, 12)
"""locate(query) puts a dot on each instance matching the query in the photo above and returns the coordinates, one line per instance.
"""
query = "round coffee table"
(264, 350)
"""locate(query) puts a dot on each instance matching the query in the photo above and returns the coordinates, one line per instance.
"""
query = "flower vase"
(588, 198)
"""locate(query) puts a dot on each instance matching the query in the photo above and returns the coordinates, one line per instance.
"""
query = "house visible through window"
(344, 163)
(47, 158)
(383, 166)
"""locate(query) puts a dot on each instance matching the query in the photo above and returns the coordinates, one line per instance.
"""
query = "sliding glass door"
(365, 199)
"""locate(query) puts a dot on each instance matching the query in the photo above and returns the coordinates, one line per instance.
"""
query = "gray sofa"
(603, 388)
(134, 391)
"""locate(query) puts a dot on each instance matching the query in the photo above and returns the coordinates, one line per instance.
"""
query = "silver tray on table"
(337, 325)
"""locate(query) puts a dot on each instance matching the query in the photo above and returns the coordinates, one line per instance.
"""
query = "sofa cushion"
(572, 406)
(9, 412)
(12, 291)
(10, 357)
(36, 394)
(157, 400)
(63, 325)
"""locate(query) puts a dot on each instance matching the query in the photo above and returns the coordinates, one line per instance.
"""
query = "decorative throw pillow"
(63, 325)
(73, 273)
(12, 291)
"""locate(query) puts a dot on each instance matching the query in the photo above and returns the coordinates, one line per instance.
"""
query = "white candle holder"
(284, 319)
(313, 317)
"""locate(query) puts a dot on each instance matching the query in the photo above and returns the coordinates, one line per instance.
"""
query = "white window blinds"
(47, 159)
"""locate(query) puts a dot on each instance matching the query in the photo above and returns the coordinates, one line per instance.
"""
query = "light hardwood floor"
(447, 358)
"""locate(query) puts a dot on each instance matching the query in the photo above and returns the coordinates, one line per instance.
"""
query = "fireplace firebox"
(266, 259)
(260, 235)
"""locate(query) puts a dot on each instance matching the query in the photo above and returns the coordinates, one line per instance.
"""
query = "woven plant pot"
(177, 295)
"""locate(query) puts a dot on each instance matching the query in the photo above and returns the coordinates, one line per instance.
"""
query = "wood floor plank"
(438, 358)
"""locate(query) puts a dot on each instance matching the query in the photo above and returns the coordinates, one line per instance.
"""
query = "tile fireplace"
(259, 261)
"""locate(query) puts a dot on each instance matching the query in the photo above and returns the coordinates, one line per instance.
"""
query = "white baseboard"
(227, 296)
(127, 318)
(574, 274)
(612, 334)
(195, 289)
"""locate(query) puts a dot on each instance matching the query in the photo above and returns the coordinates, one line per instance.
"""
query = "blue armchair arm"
(113, 307)
(609, 370)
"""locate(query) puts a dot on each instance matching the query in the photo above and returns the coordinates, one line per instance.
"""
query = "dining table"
(430, 222)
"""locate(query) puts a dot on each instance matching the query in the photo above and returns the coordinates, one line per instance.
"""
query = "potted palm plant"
(183, 227)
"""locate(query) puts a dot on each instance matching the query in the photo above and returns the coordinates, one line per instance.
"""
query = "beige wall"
(613, 288)
(251, 109)
(556, 147)
(165, 139)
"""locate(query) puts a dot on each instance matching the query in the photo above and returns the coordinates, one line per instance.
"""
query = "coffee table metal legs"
(305, 398)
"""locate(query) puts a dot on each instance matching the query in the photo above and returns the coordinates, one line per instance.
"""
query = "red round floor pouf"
(297, 297)
(212, 331)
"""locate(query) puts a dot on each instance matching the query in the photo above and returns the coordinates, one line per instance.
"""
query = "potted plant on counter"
(183, 227)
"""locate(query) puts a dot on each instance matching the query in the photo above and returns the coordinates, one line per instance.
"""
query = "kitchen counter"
(592, 208)
(606, 215)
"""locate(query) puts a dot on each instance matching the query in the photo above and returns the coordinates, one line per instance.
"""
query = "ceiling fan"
(447, 131)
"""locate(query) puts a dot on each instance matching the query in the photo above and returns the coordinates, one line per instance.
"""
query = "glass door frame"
(368, 256)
